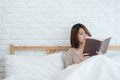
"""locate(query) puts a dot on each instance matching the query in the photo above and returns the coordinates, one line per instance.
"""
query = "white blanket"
(28, 77)
(98, 67)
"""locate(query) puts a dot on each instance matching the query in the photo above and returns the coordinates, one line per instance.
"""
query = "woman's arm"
(69, 58)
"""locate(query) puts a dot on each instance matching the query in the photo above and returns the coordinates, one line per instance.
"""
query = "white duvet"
(95, 68)
(50, 67)
(28, 77)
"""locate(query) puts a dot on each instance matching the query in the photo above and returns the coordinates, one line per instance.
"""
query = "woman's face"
(82, 35)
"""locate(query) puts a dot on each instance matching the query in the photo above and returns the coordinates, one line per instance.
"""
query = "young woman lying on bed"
(82, 67)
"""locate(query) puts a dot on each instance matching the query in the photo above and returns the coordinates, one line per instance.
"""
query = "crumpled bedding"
(98, 67)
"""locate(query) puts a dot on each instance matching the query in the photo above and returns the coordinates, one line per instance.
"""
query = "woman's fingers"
(85, 54)
(99, 52)
(87, 57)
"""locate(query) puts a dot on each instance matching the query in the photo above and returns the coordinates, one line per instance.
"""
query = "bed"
(37, 67)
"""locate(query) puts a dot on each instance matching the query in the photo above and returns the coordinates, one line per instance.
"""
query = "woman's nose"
(85, 36)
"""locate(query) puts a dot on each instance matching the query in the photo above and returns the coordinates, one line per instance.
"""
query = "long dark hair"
(74, 34)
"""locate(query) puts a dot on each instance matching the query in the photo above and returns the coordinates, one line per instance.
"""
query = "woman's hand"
(84, 56)
(99, 52)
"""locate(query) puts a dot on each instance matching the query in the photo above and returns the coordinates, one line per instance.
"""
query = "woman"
(100, 67)
(74, 55)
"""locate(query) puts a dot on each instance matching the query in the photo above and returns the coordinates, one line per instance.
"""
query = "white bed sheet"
(28, 77)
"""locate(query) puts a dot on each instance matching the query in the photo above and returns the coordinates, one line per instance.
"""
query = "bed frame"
(50, 49)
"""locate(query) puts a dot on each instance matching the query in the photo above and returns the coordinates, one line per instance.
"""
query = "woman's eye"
(81, 34)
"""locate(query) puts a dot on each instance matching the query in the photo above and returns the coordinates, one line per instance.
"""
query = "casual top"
(72, 57)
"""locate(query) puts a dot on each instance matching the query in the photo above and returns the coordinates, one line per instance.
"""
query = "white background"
(48, 22)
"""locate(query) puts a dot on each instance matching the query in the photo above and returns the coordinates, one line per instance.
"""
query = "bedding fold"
(98, 67)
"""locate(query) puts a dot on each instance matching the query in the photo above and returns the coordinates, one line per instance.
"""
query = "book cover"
(92, 45)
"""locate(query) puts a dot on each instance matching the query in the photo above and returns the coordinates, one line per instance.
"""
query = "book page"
(105, 45)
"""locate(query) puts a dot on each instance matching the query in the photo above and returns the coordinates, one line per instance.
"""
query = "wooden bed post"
(12, 50)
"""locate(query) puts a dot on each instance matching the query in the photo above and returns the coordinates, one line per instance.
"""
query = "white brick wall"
(1, 68)
(45, 22)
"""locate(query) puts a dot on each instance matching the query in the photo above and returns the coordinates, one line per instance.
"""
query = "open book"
(92, 45)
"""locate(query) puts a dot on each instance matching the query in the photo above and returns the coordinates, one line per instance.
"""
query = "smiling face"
(82, 35)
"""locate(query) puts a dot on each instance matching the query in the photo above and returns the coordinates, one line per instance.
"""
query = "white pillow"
(42, 67)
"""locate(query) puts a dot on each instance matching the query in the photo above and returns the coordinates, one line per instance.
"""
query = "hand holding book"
(84, 56)
(92, 45)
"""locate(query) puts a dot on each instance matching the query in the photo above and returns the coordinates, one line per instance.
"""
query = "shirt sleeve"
(69, 58)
